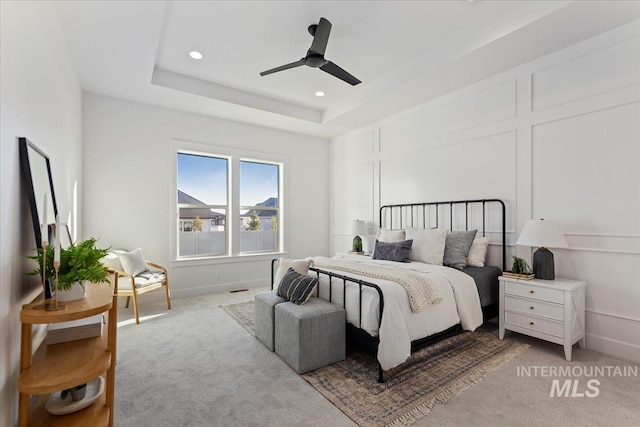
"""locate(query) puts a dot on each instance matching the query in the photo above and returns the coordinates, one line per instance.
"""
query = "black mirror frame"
(27, 175)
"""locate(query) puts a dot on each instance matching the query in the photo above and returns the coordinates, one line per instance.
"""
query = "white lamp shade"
(359, 227)
(542, 233)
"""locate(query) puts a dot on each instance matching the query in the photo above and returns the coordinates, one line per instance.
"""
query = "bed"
(380, 317)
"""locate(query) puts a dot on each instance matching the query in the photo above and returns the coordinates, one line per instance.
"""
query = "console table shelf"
(57, 367)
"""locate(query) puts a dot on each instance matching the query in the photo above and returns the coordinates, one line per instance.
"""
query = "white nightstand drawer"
(535, 292)
(531, 306)
(546, 326)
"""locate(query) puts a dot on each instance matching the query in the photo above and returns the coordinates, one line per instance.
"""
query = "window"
(227, 205)
(202, 196)
(259, 183)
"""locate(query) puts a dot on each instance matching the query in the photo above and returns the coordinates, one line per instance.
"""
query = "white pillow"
(112, 260)
(133, 262)
(478, 252)
(391, 236)
(300, 266)
(428, 244)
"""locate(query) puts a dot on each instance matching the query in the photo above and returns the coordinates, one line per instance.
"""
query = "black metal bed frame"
(408, 212)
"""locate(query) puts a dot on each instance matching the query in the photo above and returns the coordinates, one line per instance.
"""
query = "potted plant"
(77, 392)
(79, 262)
(521, 268)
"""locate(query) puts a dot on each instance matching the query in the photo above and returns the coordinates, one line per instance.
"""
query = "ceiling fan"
(315, 55)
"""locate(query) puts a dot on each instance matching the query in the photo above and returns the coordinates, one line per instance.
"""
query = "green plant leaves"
(520, 266)
(78, 262)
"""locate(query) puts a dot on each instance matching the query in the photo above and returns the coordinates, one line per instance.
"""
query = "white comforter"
(399, 326)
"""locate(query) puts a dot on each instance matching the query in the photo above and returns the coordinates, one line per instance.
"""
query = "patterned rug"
(434, 374)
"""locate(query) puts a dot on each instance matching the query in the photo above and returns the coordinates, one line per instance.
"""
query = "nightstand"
(552, 310)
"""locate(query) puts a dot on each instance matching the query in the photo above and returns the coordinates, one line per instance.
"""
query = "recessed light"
(319, 93)
(195, 54)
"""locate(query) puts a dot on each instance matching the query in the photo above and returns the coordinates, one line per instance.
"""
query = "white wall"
(127, 187)
(41, 100)
(557, 138)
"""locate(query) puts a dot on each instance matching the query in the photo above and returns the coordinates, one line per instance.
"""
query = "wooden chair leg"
(126, 305)
(166, 289)
(135, 306)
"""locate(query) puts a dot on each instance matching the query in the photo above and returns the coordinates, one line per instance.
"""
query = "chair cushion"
(141, 280)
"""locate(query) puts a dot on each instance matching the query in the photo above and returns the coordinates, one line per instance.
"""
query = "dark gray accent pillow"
(296, 287)
(396, 251)
(456, 248)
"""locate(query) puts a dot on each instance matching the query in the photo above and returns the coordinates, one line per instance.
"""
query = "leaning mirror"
(36, 172)
(38, 182)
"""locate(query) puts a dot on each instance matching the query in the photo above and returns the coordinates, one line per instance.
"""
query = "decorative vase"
(76, 292)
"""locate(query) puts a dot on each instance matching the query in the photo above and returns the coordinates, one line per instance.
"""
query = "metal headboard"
(428, 214)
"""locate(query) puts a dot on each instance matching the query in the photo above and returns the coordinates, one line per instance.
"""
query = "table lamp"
(542, 234)
(359, 228)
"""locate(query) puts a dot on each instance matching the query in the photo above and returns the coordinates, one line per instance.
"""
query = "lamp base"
(543, 266)
(357, 244)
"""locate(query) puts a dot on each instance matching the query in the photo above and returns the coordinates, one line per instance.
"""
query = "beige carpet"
(432, 375)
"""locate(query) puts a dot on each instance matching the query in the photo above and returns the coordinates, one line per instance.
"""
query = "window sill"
(232, 259)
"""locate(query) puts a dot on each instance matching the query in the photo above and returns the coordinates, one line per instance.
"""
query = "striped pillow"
(296, 287)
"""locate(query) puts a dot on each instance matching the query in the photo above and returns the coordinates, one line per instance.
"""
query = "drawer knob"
(531, 308)
(531, 292)
(531, 323)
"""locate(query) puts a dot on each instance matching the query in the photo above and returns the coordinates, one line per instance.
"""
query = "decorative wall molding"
(573, 112)
(588, 75)
(617, 316)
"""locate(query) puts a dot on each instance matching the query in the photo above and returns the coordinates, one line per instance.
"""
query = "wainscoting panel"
(614, 288)
(586, 171)
(611, 334)
(453, 172)
(429, 121)
(601, 71)
(358, 145)
(352, 195)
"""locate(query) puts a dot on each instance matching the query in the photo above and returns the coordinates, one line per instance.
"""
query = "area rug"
(434, 374)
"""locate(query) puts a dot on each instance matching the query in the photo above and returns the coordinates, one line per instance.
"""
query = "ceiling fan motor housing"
(314, 60)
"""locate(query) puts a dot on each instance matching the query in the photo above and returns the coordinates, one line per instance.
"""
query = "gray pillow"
(296, 287)
(397, 251)
(456, 248)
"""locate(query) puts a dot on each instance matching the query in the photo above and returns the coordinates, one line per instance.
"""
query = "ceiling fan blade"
(321, 37)
(338, 72)
(283, 67)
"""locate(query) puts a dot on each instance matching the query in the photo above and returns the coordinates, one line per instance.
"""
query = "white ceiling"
(405, 52)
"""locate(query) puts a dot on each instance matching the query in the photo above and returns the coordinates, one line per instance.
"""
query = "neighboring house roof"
(192, 213)
(271, 202)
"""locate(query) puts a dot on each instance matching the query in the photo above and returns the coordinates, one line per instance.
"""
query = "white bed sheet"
(460, 304)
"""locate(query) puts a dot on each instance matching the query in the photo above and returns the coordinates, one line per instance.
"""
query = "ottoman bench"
(311, 335)
(264, 320)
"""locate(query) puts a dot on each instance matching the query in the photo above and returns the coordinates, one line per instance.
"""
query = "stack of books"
(88, 327)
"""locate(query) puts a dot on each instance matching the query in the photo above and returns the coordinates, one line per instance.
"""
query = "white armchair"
(137, 276)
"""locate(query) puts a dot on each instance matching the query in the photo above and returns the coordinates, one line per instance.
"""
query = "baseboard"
(615, 348)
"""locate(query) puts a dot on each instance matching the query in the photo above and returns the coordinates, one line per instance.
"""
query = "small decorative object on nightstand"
(549, 310)
(359, 228)
(542, 234)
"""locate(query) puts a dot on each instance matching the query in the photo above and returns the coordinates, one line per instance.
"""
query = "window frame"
(234, 156)
(248, 208)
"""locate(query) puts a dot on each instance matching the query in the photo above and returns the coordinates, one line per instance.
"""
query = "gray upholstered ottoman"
(264, 320)
(311, 335)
